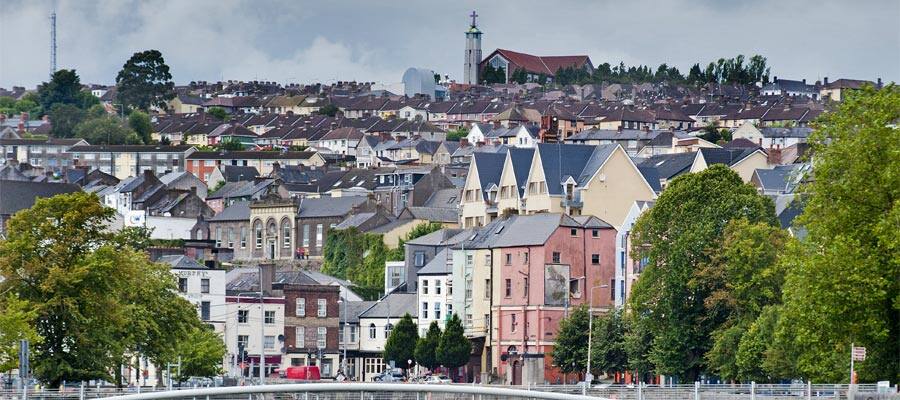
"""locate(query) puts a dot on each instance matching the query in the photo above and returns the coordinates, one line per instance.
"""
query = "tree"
(201, 354)
(454, 349)
(218, 112)
(231, 144)
(145, 81)
(139, 122)
(426, 347)
(95, 297)
(329, 110)
(842, 284)
(63, 119)
(457, 134)
(400, 346)
(16, 323)
(608, 352)
(570, 350)
(64, 88)
(679, 233)
(106, 130)
(491, 75)
(638, 342)
(711, 134)
(519, 76)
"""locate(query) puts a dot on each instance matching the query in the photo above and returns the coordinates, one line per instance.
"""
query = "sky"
(375, 40)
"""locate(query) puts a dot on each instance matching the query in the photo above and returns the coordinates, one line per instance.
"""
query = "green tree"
(231, 144)
(457, 134)
(454, 349)
(638, 343)
(139, 122)
(201, 353)
(426, 347)
(63, 119)
(17, 318)
(64, 88)
(399, 347)
(608, 350)
(570, 350)
(757, 360)
(106, 130)
(329, 110)
(96, 300)
(145, 81)
(519, 76)
(218, 112)
(842, 286)
(681, 232)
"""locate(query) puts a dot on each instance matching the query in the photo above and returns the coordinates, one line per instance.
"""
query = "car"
(306, 373)
(437, 379)
(395, 375)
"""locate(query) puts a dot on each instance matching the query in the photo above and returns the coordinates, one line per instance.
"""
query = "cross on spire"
(473, 18)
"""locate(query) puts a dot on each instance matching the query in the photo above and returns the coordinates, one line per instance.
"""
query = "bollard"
(640, 394)
(81, 391)
(808, 390)
(752, 390)
(696, 390)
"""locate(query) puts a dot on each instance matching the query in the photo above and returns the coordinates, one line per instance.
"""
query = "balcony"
(571, 203)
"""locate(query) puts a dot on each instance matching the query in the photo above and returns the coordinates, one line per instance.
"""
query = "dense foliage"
(426, 347)
(17, 318)
(96, 298)
(145, 81)
(454, 349)
(400, 347)
(570, 352)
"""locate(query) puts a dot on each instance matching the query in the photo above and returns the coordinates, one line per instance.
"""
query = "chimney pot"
(825, 81)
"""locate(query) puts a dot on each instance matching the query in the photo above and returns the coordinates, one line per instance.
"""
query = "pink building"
(544, 265)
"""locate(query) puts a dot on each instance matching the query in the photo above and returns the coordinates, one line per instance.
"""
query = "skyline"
(288, 42)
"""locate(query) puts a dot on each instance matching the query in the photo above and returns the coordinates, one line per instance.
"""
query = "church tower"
(473, 53)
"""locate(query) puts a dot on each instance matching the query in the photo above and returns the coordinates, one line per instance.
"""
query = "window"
(243, 315)
(322, 309)
(573, 232)
(420, 258)
(243, 237)
(487, 259)
(218, 237)
(230, 238)
(556, 257)
(286, 233)
(424, 310)
(425, 286)
(322, 337)
(269, 342)
(508, 259)
(270, 317)
(371, 331)
(487, 288)
(319, 235)
(437, 286)
(469, 289)
(352, 334)
(243, 341)
(468, 259)
(300, 337)
(204, 310)
(595, 259)
(300, 307)
(257, 233)
(525, 257)
(525, 282)
(595, 233)
(513, 324)
(204, 285)
(182, 285)
(305, 236)
(574, 288)
(508, 287)
(387, 330)
(612, 293)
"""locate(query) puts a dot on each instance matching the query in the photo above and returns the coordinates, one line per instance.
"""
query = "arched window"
(371, 331)
(257, 233)
(286, 233)
(387, 330)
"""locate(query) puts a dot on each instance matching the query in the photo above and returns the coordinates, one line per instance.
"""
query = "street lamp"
(346, 328)
(587, 373)
(262, 338)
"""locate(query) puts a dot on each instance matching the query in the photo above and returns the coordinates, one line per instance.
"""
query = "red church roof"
(546, 65)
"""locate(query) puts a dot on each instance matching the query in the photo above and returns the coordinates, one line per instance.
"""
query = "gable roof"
(490, 166)
(329, 206)
(19, 195)
(545, 65)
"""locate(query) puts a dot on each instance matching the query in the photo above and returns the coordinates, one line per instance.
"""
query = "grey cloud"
(377, 40)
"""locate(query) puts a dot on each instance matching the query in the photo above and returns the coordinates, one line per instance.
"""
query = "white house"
(434, 288)
(626, 273)
(375, 325)
(244, 313)
(478, 133)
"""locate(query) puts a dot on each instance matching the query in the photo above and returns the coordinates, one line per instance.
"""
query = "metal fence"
(696, 391)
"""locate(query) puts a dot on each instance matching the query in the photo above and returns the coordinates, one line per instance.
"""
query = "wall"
(610, 199)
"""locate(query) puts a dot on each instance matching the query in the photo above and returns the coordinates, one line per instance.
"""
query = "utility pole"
(262, 331)
(53, 42)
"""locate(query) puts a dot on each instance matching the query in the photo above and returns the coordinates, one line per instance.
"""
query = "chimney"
(774, 156)
(774, 79)
(619, 128)
(266, 277)
(825, 81)
(2, 118)
(646, 128)
(463, 142)
(760, 142)
(879, 82)
(21, 126)
(804, 81)
(148, 174)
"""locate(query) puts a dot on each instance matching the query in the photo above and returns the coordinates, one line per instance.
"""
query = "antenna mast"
(52, 42)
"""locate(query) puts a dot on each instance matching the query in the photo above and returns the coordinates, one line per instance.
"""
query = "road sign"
(858, 353)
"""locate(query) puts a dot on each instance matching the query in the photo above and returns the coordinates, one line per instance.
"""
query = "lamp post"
(587, 373)
(344, 333)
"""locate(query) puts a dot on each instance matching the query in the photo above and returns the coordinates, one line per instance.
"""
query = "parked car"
(395, 375)
(306, 373)
(437, 379)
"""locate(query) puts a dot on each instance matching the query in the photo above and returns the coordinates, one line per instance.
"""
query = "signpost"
(856, 354)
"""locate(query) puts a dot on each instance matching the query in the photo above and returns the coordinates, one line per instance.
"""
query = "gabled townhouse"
(742, 161)
(478, 205)
(668, 166)
(365, 151)
(350, 337)
(444, 152)
(512, 180)
(340, 141)
(376, 324)
(772, 137)
(231, 173)
(230, 228)
(779, 180)
(671, 142)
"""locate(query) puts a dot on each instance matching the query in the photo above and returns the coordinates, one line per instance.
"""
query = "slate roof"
(518, 230)
(235, 173)
(435, 214)
(725, 156)
(329, 206)
(489, 165)
(797, 132)
(521, 163)
(250, 155)
(353, 310)
(579, 162)
(394, 305)
(438, 265)
(180, 262)
(19, 195)
(437, 238)
(669, 165)
(239, 211)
